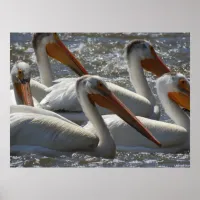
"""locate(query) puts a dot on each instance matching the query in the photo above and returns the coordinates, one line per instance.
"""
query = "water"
(102, 54)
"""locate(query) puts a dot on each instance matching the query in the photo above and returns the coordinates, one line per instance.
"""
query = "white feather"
(173, 137)
(49, 132)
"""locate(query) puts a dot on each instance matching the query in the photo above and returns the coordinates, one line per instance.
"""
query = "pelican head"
(143, 52)
(20, 75)
(177, 87)
(54, 47)
(98, 93)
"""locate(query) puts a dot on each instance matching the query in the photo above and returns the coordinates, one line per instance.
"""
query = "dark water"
(102, 54)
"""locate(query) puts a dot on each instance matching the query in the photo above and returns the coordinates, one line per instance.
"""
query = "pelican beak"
(60, 52)
(154, 65)
(182, 99)
(23, 89)
(111, 102)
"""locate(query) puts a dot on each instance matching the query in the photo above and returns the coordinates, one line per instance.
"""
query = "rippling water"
(102, 54)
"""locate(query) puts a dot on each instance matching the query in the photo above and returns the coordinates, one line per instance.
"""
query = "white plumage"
(55, 96)
(173, 137)
(34, 127)
(50, 132)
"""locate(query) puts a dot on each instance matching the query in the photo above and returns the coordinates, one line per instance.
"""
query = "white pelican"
(21, 96)
(56, 134)
(140, 55)
(20, 77)
(173, 91)
(49, 44)
(62, 96)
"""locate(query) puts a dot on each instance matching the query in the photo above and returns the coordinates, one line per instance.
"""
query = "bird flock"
(87, 114)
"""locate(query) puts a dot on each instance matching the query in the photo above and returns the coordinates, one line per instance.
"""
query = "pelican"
(47, 45)
(141, 56)
(62, 96)
(21, 80)
(21, 97)
(174, 92)
(20, 77)
(58, 135)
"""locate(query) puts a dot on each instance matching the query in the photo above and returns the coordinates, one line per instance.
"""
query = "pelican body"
(174, 92)
(140, 54)
(21, 96)
(62, 96)
(38, 130)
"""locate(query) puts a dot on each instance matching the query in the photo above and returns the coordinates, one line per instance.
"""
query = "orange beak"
(181, 99)
(60, 52)
(155, 65)
(111, 102)
(24, 92)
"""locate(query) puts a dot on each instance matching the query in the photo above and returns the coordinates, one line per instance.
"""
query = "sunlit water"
(102, 54)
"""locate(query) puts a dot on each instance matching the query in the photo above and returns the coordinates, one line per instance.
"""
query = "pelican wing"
(49, 132)
(63, 97)
(30, 109)
(64, 79)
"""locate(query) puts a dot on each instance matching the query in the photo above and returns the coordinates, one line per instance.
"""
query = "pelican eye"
(183, 85)
(182, 82)
(150, 47)
(20, 74)
(100, 84)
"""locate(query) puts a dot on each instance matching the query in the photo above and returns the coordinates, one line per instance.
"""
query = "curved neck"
(44, 67)
(138, 78)
(106, 147)
(174, 111)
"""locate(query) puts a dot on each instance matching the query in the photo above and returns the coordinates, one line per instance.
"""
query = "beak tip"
(158, 143)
